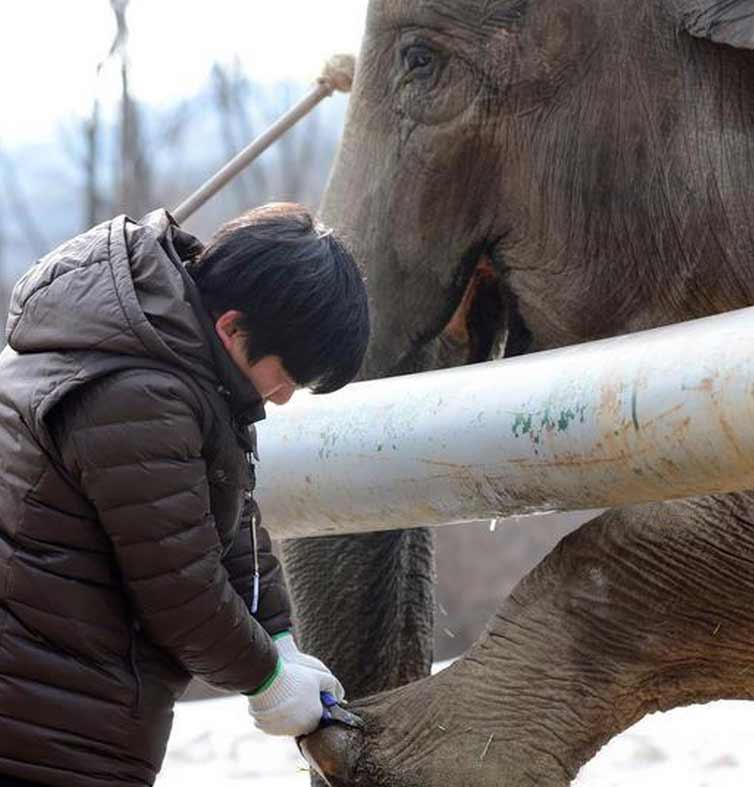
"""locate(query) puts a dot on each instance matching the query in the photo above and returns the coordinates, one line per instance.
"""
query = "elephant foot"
(426, 735)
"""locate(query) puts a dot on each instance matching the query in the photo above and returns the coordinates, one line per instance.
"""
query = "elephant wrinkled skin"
(527, 174)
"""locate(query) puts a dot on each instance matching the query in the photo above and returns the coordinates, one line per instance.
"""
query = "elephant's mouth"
(486, 323)
(476, 331)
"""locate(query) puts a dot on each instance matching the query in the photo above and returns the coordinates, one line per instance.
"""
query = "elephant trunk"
(364, 604)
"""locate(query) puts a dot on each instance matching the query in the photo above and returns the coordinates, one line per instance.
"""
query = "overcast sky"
(49, 51)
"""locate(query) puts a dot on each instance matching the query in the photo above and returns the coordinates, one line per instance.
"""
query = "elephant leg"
(644, 608)
(364, 605)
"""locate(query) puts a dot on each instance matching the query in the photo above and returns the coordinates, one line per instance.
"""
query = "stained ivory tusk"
(661, 414)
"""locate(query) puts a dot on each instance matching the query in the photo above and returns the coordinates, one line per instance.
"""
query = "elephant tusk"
(657, 415)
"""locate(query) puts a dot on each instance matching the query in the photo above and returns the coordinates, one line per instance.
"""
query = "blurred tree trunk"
(92, 199)
(134, 174)
(4, 278)
(135, 180)
(2, 243)
(229, 108)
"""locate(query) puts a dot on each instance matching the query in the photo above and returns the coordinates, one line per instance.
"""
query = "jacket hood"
(122, 288)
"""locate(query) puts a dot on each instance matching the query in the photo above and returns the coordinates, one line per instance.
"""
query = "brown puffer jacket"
(123, 567)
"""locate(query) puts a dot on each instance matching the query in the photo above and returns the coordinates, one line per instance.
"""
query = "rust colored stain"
(732, 436)
(438, 463)
(570, 460)
(706, 385)
(610, 398)
(681, 427)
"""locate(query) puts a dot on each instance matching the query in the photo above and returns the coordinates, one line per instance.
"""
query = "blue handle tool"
(333, 713)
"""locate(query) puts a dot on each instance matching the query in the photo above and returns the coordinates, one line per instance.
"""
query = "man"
(136, 363)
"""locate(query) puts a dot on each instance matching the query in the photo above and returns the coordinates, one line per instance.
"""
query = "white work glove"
(290, 704)
(290, 654)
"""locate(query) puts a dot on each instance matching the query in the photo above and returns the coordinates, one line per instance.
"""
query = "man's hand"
(290, 654)
(289, 702)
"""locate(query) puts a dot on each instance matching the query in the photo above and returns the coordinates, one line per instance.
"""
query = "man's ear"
(226, 326)
(723, 21)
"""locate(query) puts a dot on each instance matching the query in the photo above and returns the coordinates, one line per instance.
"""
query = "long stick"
(337, 76)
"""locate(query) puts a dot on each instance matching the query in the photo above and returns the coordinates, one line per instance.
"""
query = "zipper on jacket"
(249, 496)
(136, 704)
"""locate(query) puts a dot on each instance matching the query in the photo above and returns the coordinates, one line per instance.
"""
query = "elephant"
(516, 176)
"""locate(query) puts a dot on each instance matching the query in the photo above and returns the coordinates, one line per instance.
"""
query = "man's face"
(267, 375)
(269, 378)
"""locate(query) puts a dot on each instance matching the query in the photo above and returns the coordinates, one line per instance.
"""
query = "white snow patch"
(214, 742)
(699, 746)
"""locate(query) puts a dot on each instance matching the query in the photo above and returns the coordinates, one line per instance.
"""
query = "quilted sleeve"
(134, 442)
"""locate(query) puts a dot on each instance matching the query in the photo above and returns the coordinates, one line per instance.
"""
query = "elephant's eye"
(432, 82)
(419, 60)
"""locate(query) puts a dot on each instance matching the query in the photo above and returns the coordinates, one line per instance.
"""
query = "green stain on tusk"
(547, 420)
(522, 424)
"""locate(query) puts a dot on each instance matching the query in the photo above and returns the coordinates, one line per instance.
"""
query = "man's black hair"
(300, 292)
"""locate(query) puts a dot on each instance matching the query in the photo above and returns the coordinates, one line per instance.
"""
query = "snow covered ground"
(214, 743)
(699, 746)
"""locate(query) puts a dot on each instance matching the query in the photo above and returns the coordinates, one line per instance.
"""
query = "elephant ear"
(723, 21)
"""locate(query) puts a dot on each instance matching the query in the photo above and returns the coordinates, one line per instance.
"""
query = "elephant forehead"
(491, 32)
(477, 13)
